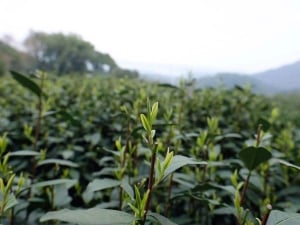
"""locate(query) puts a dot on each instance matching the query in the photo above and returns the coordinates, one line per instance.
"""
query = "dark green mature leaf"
(27, 83)
(11, 202)
(180, 161)
(93, 216)
(67, 182)
(253, 156)
(165, 85)
(161, 219)
(67, 116)
(283, 162)
(101, 184)
(283, 218)
(24, 153)
(60, 162)
(127, 188)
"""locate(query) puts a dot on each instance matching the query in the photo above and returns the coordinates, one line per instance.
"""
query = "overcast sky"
(231, 35)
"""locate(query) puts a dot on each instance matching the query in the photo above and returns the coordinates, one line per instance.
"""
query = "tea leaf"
(24, 153)
(68, 182)
(254, 156)
(101, 184)
(93, 216)
(60, 162)
(283, 218)
(27, 83)
(283, 162)
(161, 219)
(180, 161)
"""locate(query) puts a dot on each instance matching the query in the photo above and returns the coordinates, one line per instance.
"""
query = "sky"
(245, 36)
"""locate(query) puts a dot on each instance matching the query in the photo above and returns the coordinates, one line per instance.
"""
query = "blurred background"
(212, 41)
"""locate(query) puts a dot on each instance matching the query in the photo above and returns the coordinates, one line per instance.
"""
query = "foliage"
(65, 54)
(12, 58)
(77, 149)
(59, 54)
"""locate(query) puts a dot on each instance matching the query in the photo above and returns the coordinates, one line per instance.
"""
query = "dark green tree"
(64, 54)
(11, 58)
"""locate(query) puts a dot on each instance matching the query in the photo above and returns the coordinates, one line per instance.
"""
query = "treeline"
(60, 54)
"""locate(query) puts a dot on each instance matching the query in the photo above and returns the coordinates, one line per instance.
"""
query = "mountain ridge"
(282, 79)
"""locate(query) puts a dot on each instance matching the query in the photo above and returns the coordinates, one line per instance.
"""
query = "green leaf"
(180, 161)
(61, 197)
(283, 218)
(101, 184)
(145, 123)
(166, 85)
(27, 83)
(60, 162)
(68, 182)
(283, 162)
(93, 216)
(161, 219)
(127, 188)
(11, 202)
(67, 116)
(153, 113)
(253, 156)
(24, 153)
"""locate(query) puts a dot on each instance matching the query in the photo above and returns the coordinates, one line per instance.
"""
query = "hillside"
(229, 80)
(285, 78)
(282, 79)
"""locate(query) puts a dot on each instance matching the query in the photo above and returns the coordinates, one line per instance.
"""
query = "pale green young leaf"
(145, 123)
(153, 113)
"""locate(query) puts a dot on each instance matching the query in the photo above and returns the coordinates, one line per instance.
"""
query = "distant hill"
(229, 80)
(282, 79)
(285, 78)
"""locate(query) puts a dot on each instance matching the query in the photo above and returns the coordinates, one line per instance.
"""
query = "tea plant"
(104, 153)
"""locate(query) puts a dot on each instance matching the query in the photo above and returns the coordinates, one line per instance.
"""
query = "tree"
(11, 58)
(66, 54)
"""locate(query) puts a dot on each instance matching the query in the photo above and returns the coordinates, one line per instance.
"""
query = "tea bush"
(98, 147)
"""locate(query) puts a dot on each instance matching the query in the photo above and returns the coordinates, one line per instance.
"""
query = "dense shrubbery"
(79, 143)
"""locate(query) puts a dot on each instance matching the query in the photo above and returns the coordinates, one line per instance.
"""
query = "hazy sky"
(232, 35)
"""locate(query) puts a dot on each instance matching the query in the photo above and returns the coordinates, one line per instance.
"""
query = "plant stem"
(258, 139)
(258, 135)
(170, 186)
(38, 124)
(245, 186)
(151, 182)
(12, 217)
(266, 216)
(123, 163)
(39, 118)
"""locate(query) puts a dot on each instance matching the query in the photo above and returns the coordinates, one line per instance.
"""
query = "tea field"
(106, 150)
